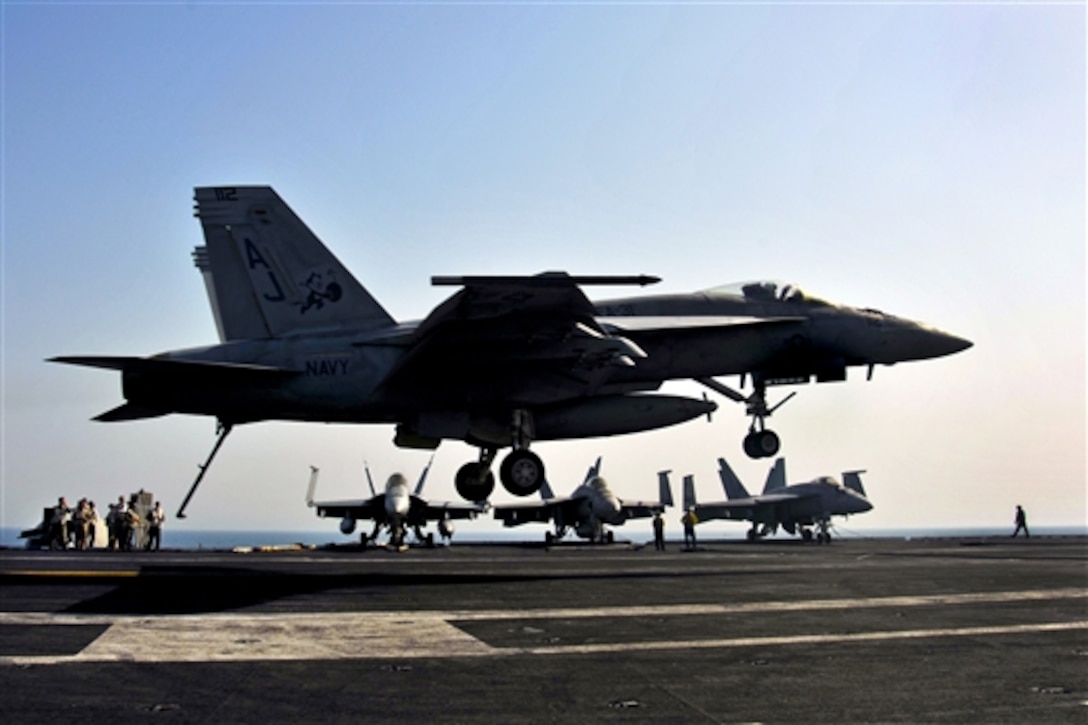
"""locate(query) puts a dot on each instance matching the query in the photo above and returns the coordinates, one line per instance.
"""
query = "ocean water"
(201, 539)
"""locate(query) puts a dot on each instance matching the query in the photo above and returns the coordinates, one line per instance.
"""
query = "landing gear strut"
(521, 472)
(760, 442)
(474, 480)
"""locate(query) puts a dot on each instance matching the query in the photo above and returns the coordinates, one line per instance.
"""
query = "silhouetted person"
(689, 519)
(154, 531)
(58, 525)
(1021, 523)
(659, 532)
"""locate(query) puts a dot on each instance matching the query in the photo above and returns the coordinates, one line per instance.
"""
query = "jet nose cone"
(929, 342)
(952, 344)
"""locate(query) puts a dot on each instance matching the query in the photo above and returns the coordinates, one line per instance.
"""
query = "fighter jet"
(586, 510)
(796, 508)
(502, 362)
(395, 509)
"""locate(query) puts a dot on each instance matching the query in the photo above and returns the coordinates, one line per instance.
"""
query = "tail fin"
(689, 492)
(268, 275)
(593, 472)
(852, 480)
(369, 480)
(776, 477)
(732, 485)
(312, 487)
(546, 490)
(423, 477)
(664, 488)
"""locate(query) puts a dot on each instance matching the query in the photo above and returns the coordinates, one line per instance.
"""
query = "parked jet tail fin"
(546, 492)
(852, 480)
(312, 487)
(664, 488)
(776, 477)
(593, 472)
(423, 477)
(268, 275)
(369, 480)
(689, 492)
(732, 485)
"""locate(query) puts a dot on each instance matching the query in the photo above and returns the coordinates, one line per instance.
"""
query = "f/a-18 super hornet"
(796, 507)
(397, 509)
(586, 510)
(502, 362)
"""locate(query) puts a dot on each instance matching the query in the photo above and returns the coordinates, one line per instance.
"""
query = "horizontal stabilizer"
(129, 411)
(166, 366)
(105, 362)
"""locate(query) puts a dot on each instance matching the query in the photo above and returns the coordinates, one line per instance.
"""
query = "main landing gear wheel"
(522, 472)
(761, 444)
(474, 482)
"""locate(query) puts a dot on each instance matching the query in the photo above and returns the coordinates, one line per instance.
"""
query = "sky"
(924, 159)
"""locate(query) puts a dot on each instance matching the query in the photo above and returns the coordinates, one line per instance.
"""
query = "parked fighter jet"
(394, 509)
(796, 508)
(502, 362)
(586, 511)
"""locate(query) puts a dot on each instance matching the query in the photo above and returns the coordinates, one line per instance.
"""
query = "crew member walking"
(1021, 523)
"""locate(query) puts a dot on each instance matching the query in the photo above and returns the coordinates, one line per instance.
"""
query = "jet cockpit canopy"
(768, 291)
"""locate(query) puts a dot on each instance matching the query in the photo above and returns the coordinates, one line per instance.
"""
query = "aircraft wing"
(539, 512)
(531, 340)
(357, 509)
(760, 508)
(438, 510)
(641, 509)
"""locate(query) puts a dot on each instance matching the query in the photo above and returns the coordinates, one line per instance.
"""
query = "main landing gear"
(521, 471)
(760, 442)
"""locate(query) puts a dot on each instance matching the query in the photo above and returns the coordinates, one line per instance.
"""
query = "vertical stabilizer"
(689, 492)
(369, 480)
(593, 471)
(423, 477)
(312, 488)
(732, 485)
(852, 480)
(271, 275)
(664, 488)
(546, 492)
(776, 477)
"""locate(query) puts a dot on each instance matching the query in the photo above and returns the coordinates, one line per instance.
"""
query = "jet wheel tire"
(471, 486)
(522, 473)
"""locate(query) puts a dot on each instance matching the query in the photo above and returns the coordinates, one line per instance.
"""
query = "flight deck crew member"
(1021, 523)
(689, 519)
(58, 525)
(154, 531)
(659, 532)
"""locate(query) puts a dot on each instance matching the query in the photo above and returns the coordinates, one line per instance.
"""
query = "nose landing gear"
(760, 441)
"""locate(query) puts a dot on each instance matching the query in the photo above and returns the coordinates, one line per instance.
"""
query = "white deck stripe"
(408, 635)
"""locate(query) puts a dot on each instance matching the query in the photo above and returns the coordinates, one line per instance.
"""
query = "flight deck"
(982, 630)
